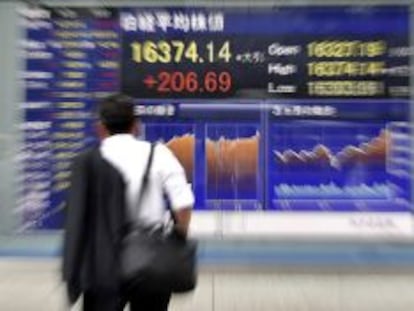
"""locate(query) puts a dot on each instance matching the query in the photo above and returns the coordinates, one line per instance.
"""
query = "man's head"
(116, 116)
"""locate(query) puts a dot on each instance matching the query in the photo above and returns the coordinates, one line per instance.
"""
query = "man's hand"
(183, 217)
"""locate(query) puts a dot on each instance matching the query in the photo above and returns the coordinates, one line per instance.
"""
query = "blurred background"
(292, 120)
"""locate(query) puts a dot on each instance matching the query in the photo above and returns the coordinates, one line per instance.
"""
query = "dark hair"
(116, 112)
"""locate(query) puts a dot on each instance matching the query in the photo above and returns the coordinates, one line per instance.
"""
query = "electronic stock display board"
(287, 120)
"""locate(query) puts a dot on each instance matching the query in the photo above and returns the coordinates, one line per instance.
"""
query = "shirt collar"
(118, 138)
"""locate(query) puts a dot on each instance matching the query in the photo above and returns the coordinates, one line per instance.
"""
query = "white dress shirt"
(130, 156)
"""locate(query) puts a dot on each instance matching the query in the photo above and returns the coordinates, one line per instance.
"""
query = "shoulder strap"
(144, 185)
(145, 177)
(128, 223)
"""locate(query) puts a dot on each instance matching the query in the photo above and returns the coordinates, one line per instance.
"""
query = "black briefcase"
(157, 262)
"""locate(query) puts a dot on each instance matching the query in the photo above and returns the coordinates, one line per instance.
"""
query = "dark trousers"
(138, 300)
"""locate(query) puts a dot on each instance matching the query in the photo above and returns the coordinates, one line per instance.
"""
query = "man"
(104, 191)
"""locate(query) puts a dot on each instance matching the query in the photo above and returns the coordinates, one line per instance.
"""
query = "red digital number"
(179, 82)
(210, 82)
(165, 82)
(191, 82)
(225, 81)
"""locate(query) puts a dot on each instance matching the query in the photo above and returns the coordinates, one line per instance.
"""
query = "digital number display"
(189, 82)
(231, 53)
(178, 51)
(287, 109)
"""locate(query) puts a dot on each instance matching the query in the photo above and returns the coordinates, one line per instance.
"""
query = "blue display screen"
(291, 109)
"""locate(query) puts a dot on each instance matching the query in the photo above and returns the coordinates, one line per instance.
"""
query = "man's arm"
(183, 217)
